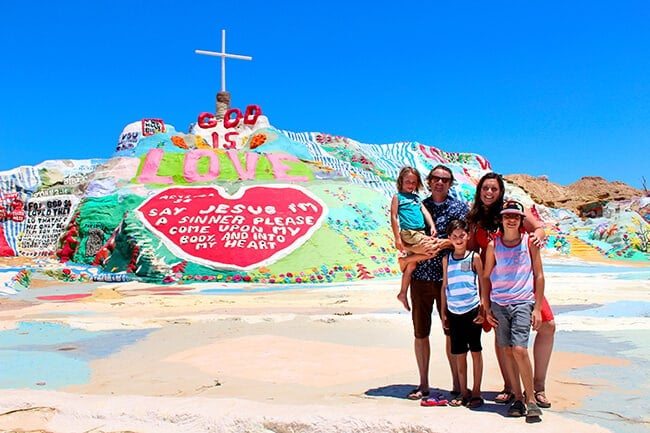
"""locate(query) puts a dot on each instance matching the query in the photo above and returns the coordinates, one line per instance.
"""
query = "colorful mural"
(237, 200)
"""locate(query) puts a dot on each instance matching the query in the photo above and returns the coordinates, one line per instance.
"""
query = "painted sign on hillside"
(252, 228)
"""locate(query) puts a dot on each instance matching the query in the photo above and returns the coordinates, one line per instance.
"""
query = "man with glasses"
(426, 281)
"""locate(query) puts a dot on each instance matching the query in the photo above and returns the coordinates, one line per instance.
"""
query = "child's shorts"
(547, 315)
(412, 237)
(514, 323)
(464, 333)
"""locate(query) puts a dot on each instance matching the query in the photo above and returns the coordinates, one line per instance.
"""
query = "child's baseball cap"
(513, 207)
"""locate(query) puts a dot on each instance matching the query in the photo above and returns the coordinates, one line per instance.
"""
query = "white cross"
(223, 56)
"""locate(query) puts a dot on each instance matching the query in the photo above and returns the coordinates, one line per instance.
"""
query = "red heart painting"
(255, 227)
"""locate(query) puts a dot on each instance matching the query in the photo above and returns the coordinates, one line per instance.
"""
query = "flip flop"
(416, 394)
(533, 411)
(475, 402)
(504, 397)
(542, 401)
(459, 401)
(433, 401)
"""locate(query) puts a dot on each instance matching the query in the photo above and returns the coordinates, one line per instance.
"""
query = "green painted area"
(101, 216)
(353, 242)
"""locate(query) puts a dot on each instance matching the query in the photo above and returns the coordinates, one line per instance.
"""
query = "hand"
(491, 319)
(435, 249)
(537, 241)
(398, 244)
(429, 246)
(536, 320)
(478, 319)
(445, 323)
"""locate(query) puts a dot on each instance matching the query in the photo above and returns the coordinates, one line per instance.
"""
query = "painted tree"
(362, 272)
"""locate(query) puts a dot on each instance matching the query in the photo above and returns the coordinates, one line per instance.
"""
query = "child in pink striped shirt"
(513, 273)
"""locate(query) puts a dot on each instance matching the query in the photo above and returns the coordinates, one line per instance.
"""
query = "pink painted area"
(150, 167)
(70, 297)
(190, 172)
(251, 164)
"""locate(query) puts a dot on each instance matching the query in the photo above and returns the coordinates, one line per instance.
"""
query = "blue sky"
(544, 88)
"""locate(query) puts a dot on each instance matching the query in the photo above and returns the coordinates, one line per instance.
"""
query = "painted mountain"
(237, 200)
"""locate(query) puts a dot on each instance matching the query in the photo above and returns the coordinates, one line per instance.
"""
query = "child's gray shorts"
(514, 323)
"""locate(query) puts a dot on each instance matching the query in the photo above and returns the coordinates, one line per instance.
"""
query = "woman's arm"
(478, 268)
(486, 284)
(539, 283)
(533, 226)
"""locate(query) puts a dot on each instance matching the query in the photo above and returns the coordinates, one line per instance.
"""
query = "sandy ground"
(324, 359)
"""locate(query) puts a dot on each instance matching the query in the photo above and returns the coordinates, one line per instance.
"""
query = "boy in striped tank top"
(461, 312)
(513, 273)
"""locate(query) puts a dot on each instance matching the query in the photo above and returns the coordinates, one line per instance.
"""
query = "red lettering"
(228, 121)
(207, 120)
(252, 113)
(231, 142)
(229, 137)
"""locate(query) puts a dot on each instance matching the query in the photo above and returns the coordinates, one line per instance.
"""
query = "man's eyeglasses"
(444, 180)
